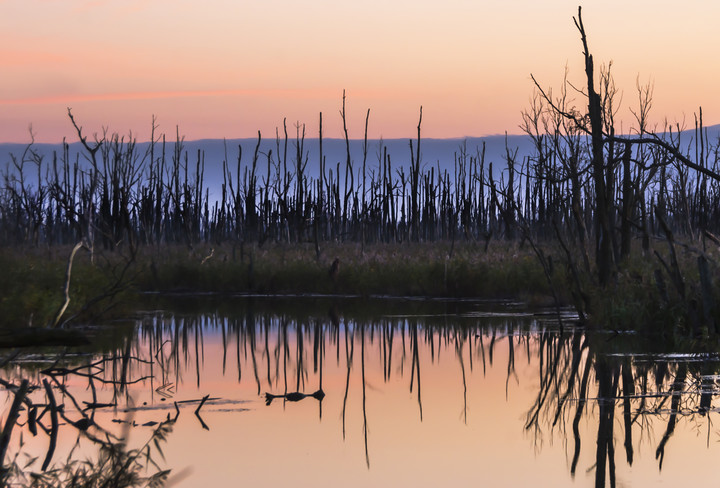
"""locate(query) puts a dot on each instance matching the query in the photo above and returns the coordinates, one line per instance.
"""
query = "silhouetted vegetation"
(622, 226)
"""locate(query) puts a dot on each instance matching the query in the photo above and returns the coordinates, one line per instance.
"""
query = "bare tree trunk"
(603, 244)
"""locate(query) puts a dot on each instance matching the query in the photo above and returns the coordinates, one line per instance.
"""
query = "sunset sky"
(222, 68)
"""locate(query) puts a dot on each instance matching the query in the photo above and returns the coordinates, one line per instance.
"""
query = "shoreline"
(34, 279)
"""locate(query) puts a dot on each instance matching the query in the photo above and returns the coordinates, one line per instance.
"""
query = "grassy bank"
(645, 295)
(32, 284)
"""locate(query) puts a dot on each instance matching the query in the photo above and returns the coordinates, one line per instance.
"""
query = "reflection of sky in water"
(467, 427)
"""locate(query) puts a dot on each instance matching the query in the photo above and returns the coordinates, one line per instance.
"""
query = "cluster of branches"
(117, 195)
(114, 194)
(583, 187)
(39, 408)
(629, 395)
(611, 189)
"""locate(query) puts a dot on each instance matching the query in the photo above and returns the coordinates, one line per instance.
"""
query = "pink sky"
(223, 68)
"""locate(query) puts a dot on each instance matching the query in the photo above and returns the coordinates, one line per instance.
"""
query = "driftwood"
(295, 396)
(197, 412)
(93, 405)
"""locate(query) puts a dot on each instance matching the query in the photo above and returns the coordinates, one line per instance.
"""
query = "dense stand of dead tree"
(596, 196)
(575, 186)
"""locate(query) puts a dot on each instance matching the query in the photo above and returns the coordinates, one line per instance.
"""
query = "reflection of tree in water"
(576, 375)
(284, 358)
(575, 380)
(43, 405)
(286, 355)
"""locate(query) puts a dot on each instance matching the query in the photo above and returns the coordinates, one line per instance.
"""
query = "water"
(416, 393)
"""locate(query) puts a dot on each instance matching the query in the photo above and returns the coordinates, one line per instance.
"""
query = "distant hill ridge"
(432, 149)
(434, 152)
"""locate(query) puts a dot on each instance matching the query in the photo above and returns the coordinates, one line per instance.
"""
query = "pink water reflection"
(408, 402)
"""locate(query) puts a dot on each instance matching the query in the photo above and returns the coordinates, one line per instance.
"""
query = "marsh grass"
(643, 296)
(32, 281)
(408, 269)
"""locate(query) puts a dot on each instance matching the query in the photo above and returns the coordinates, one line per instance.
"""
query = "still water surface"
(329, 392)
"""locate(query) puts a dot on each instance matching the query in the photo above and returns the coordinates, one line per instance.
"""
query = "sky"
(228, 69)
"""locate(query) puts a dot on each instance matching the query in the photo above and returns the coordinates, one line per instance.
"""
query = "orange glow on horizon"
(229, 69)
